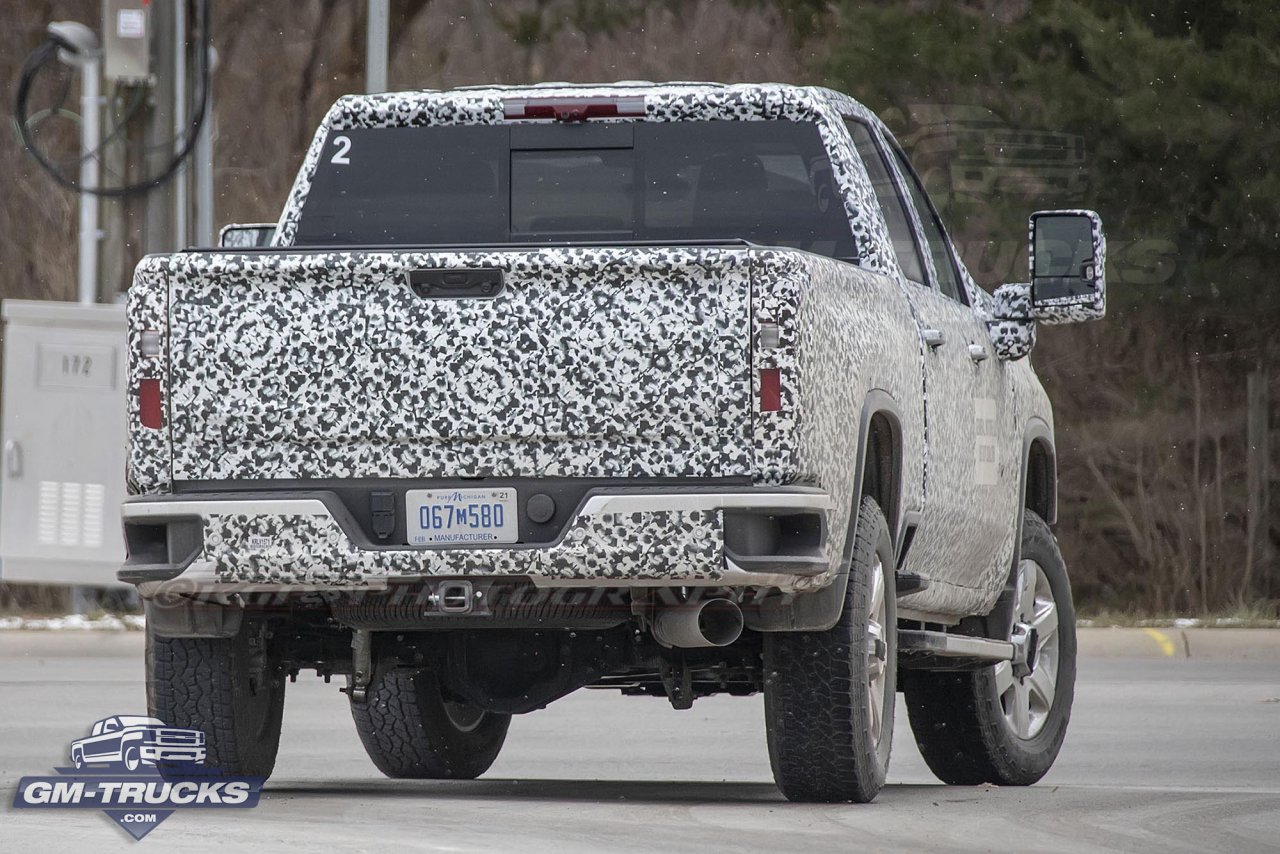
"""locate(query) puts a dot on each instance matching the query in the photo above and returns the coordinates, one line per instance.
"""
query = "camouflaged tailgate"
(605, 362)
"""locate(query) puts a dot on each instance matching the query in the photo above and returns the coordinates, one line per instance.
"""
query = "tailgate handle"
(456, 282)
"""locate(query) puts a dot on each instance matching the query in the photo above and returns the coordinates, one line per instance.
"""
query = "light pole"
(376, 35)
(78, 47)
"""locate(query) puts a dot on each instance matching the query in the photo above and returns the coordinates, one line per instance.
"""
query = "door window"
(895, 213)
(943, 262)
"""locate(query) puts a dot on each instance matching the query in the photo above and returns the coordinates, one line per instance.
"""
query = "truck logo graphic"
(132, 741)
(138, 770)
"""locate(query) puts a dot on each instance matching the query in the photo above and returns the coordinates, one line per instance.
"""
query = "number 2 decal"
(343, 144)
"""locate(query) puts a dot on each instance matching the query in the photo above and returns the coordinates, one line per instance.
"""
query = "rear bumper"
(238, 542)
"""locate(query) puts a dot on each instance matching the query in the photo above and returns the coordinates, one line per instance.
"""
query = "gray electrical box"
(62, 472)
(126, 41)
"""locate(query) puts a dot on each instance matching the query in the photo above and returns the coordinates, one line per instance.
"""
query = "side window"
(900, 231)
(943, 263)
(895, 214)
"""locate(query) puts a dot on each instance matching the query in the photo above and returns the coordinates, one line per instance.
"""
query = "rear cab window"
(768, 182)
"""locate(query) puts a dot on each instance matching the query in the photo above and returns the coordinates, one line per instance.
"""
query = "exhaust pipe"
(714, 622)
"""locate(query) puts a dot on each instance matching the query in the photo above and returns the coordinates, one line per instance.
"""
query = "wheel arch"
(1037, 479)
(878, 472)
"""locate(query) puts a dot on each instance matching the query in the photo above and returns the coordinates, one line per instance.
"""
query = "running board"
(906, 583)
(925, 650)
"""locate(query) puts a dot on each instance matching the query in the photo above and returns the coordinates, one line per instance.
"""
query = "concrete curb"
(1173, 642)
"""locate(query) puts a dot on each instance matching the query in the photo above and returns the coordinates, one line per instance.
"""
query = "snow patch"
(74, 623)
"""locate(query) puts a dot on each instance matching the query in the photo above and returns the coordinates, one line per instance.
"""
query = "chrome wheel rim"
(877, 651)
(1027, 699)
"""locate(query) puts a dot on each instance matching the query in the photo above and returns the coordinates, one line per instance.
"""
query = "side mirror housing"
(1068, 261)
(1012, 328)
(246, 235)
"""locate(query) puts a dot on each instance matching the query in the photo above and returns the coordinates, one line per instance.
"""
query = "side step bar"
(906, 583)
(925, 650)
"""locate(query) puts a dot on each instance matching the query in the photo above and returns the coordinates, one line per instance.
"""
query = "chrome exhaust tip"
(713, 622)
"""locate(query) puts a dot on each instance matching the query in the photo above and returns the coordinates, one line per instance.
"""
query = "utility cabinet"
(64, 439)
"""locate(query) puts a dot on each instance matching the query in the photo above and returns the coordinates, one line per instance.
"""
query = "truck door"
(970, 489)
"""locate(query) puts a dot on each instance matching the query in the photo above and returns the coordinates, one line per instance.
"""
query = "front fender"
(1038, 431)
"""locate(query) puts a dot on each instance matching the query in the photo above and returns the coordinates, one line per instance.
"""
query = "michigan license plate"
(461, 517)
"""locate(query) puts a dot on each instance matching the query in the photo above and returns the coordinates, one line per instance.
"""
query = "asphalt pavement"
(1174, 745)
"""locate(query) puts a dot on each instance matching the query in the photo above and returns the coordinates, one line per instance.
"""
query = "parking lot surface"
(1174, 745)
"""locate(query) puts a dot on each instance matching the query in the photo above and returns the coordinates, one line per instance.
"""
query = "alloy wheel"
(1027, 698)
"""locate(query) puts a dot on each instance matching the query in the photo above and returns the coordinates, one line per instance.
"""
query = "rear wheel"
(410, 730)
(829, 696)
(229, 688)
(1005, 724)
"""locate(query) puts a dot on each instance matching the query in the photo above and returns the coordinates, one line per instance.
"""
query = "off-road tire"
(818, 716)
(229, 688)
(958, 719)
(409, 731)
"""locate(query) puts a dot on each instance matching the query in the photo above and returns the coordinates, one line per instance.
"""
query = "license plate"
(461, 517)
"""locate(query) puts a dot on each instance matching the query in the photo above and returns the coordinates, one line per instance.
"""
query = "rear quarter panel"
(845, 331)
(150, 457)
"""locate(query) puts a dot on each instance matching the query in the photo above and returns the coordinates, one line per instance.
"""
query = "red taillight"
(572, 109)
(770, 390)
(150, 404)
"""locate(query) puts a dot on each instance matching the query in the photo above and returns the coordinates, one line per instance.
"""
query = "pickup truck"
(672, 389)
(137, 740)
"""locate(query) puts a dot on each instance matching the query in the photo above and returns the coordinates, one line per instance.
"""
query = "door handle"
(455, 283)
(12, 459)
(978, 353)
(933, 337)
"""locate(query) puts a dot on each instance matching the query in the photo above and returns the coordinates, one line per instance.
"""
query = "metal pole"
(1258, 483)
(378, 33)
(204, 167)
(158, 234)
(80, 597)
(180, 126)
(90, 138)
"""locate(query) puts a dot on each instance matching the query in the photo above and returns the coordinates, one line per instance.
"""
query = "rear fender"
(150, 460)
(820, 609)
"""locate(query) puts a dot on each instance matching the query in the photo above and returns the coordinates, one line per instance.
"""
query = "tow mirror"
(1012, 328)
(1068, 260)
(246, 235)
